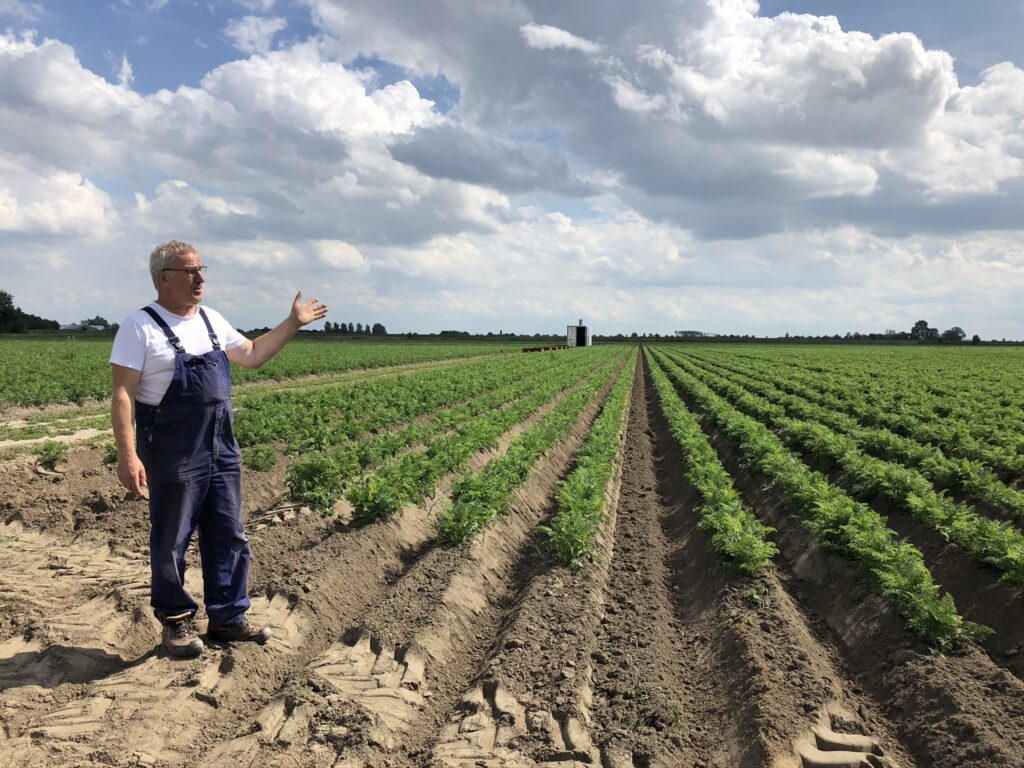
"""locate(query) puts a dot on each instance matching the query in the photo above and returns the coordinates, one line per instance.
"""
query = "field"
(674, 555)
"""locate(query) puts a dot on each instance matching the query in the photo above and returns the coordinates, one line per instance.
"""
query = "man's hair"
(161, 256)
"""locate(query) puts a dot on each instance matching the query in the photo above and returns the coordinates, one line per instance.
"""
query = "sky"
(793, 166)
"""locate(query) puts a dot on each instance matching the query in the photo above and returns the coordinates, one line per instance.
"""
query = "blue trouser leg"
(224, 549)
(174, 507)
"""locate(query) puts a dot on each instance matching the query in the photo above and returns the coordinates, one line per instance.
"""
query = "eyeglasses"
(192, 272)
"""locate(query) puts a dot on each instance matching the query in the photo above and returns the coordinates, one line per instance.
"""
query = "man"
(171, 381)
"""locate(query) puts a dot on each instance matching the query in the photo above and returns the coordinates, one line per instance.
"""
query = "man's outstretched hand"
(305, 312)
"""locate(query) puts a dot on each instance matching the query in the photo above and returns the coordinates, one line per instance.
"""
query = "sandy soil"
(390, 650)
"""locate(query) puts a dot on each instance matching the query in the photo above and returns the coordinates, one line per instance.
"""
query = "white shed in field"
(577, 335)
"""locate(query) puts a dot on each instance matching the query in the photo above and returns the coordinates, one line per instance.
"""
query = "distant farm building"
(695, 335)
(577, 335)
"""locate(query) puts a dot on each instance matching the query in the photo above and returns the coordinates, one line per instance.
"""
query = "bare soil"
(391, 650)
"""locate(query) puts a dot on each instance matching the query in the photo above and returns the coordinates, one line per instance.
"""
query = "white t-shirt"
(142, 345)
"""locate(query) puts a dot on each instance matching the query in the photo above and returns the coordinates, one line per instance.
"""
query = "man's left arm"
(253, 354)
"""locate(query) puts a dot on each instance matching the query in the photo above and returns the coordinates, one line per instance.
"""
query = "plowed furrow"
(531, 703)
(147, 708)
(711, 669)
(979, 593)
(650, 698)
(957, 710)
(381, 691)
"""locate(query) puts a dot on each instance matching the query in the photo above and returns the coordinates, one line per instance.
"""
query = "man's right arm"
(130, 472)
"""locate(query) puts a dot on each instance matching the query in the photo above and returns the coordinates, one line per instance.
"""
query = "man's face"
(179, 287)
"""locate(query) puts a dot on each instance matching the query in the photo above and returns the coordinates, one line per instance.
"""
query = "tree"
(975, 339)
(379, 330)
(6, 306)
(102, 321)
(955, 334)
(921, 332)
(13, 320)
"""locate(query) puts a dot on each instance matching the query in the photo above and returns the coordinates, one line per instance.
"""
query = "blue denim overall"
(193, 468)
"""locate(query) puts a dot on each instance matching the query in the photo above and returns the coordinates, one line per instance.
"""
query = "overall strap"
(209, 327)
(174, 340)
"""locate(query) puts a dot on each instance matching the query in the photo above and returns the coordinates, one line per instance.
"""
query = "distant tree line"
(377, 329)
(13, 320)
(921, 333)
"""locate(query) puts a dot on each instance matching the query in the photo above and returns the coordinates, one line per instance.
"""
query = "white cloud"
(52, 203)
(21, 10)
(976, 143)
(254, 34)
(546, 37)
(339, 254)
(706, 168)
(258, 6)
(125, 74)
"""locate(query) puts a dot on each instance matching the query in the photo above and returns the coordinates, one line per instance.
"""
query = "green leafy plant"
(314, 481)
(581, 496)
(260, 458)
(51, 452)
(894, 568)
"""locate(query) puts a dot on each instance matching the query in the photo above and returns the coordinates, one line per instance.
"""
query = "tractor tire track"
(380, 692)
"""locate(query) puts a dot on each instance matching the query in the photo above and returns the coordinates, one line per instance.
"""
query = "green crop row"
(316, 419)
(984, 426)
(893, 568)
(582, 495)
(319, 479)
(958, 475)
(970, 386)
(477, 499)
(735, 531)
(414, 476)
(990, 541)
(74, 369)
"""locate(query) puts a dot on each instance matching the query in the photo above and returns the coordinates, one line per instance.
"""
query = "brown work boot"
(242, 632)
(180, 640)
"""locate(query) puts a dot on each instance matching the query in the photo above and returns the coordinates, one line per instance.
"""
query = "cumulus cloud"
(339, 254)
(546, 37)
(708, 100)
(254, 34)
(451, 152)
(52, 203)
(695, 164)
(21, 10)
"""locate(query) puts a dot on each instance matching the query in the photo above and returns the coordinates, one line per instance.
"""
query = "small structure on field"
(577, 335)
